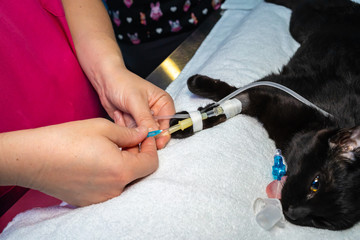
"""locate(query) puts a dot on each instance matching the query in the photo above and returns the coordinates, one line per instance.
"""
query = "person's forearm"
(93, 37)
(6, 163)
(15, 157)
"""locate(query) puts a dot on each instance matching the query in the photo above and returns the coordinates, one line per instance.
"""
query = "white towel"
(206, 184)
(240, 4)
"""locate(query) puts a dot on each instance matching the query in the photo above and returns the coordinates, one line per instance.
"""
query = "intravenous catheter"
(229, 106)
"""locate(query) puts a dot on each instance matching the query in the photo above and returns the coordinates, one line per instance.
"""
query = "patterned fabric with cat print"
(137, 21)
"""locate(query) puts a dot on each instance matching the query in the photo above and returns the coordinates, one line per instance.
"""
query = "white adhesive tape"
(231, 107)
(197, 121)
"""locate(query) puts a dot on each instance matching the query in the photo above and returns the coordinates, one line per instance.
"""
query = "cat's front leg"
(261, 102)
(281, 115)
(206, 87)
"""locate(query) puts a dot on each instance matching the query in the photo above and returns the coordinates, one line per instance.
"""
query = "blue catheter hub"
(279, 168)
(154, 133)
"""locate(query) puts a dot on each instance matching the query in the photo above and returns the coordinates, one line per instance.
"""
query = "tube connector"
(279, 168)
(230, 108)
(185, 123)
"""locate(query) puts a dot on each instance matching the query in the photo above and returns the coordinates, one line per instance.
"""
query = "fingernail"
(116, 117)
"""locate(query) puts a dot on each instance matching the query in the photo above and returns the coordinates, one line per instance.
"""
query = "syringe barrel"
(183, 124)
(174, 128)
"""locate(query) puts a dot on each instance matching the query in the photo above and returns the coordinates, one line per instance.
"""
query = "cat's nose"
(295, 213)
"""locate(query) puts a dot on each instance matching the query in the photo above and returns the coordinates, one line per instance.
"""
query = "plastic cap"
(268, 213)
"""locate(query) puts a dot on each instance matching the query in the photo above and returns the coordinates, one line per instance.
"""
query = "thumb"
(148, 121)
(127, 137)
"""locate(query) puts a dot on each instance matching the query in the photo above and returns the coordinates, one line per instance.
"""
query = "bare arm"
(78, 162)
(119, 90)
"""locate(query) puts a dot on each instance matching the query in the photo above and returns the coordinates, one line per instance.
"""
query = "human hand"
(78, 162)
(126, 96)
(121, 92)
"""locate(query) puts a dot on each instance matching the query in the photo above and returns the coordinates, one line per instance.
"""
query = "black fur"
(325, 70)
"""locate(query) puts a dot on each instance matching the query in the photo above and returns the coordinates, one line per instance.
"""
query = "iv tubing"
(278, 86)
(178, 115)
(217, 110)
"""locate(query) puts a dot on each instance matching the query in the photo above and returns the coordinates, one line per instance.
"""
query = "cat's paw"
(201, 85)
(208, 87)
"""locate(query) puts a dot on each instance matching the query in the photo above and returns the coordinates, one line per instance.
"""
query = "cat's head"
(322, 189)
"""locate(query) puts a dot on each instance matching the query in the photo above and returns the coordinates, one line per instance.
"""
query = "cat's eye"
(314, 187)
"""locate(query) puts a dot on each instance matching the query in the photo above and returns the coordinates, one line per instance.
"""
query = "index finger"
(143, 163)
(141, 112)
(167, 108)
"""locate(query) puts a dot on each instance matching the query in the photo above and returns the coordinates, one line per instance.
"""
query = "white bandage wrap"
(231, 107)
(196, 120)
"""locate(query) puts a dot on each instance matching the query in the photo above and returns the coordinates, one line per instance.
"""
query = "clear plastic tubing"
(178, 115)
(218, 110)
(278, 86)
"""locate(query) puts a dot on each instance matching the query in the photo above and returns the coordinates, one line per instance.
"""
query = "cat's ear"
(347, 142)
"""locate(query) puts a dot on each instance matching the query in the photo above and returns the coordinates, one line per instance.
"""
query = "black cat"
(322, 152)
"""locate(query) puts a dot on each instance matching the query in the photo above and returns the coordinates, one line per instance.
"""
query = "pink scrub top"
(41, 81)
